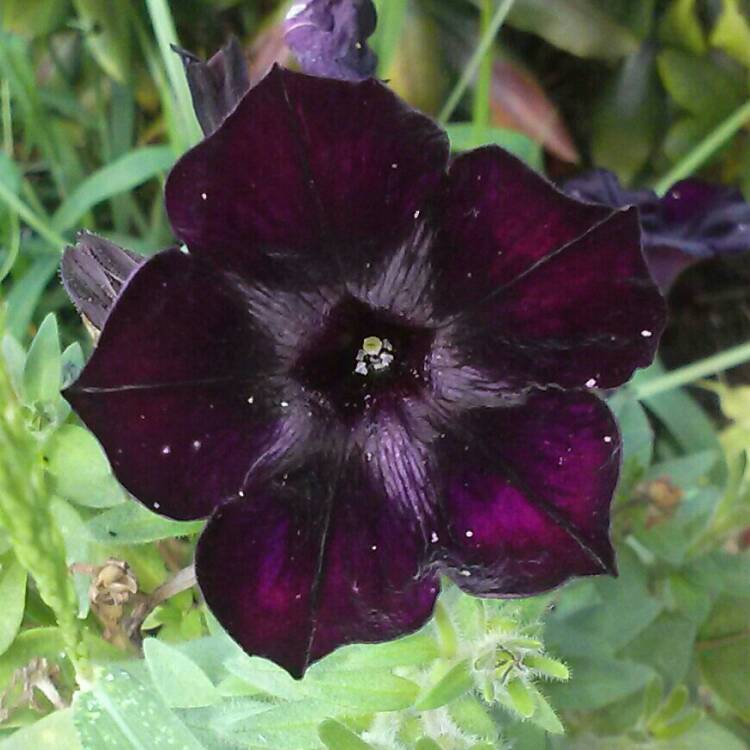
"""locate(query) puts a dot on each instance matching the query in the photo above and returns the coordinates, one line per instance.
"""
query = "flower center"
(362, 356)
(375, 355)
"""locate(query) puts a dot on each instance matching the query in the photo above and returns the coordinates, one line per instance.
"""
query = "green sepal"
(453, 684)
(335, 736)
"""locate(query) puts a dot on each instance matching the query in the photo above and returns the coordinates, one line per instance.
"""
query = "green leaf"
(686, 471)
(472, 717)
(107, 33)
(15, 360)
(287, 725)
(676, 701)
(179, 680)
(13, 598)
(685, 134)
(667, 646)
(677, 410)
(56, 731)
(131, 523)
(78, 547)
(705, 735)
(81, 470)
(680, 27)
(544, 715)
(547, 666)
(336, 736)
(732, 32)
(597, 682)
(119, 176)
(42, 374)
(465, 136)
(724, 653)
(637, 434)
(363, 690)
(628, 117)
(119, 713)
(698, 85)
(24, 296)
(691, 599)
(520, 698)
(453, 684)
(414, 650)
(72, 363)
(427, 744)
(576, 26)
(266, 677)
(626, 609)
(33, 19)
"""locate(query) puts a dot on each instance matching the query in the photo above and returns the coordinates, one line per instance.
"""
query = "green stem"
(705, 149)
(476, 60)
(29, 217)
(484, 79)
(690, 373)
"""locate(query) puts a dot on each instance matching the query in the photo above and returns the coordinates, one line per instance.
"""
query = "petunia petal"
(585, 316)
(176, 389)
(309, 168)
(311, 563)
(527, 493)
(499, 218)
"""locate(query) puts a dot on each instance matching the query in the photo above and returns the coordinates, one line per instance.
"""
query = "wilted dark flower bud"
(693, 220)
(217, 85)
(93, 271)
(329, 37)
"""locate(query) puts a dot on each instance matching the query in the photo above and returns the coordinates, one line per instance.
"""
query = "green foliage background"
(94, 110)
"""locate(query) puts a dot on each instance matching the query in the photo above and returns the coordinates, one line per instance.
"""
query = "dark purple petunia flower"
(329, 37)
(370, 368)
(693, 220)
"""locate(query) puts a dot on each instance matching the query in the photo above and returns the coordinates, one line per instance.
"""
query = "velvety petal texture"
(315, 561)
(527, 492)
(177, 389)
(321, 171)
(329, 37)
(93, 271)
(218, 85)
(368, 368)
(562, 294)
(498, 219)
(693, 220)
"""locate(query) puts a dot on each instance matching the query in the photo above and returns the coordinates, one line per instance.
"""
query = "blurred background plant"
(94, 110)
